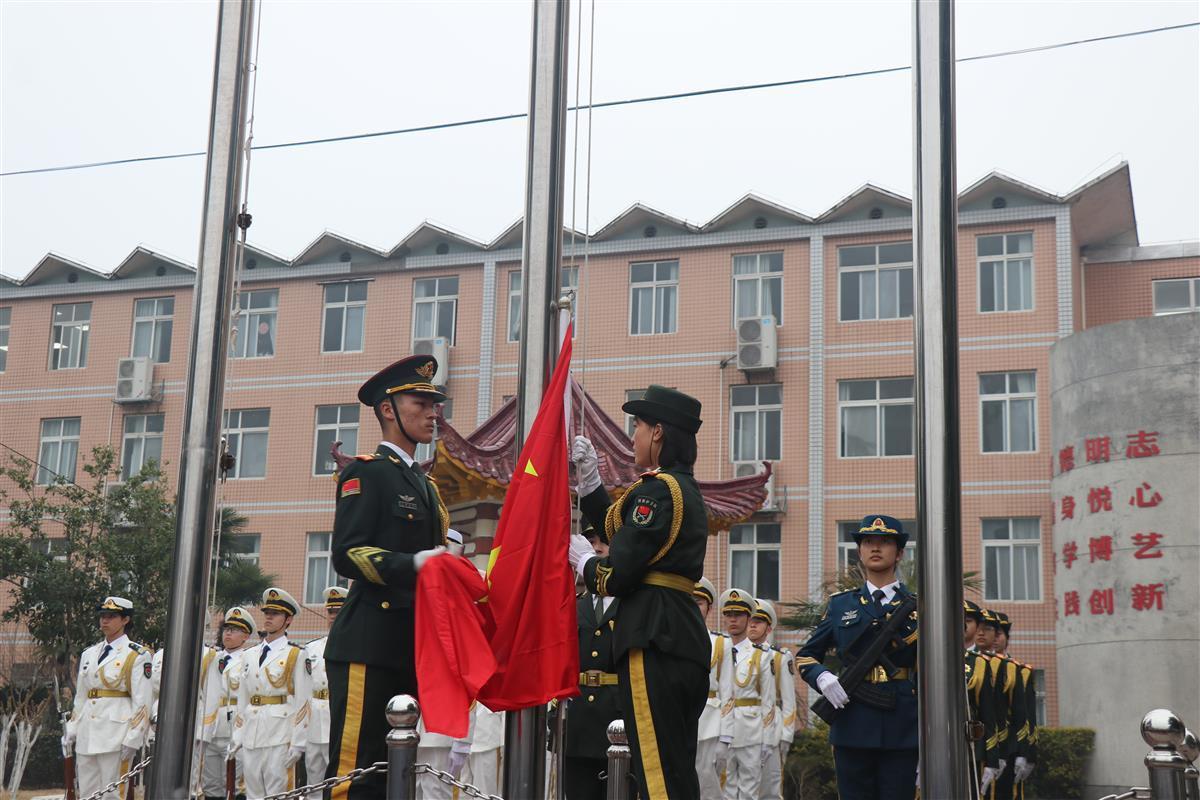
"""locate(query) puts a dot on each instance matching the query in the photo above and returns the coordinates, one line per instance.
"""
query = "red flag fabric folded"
(531, 590)
(453, 656)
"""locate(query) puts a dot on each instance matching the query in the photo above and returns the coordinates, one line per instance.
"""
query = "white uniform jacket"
(270, 709)
(487, 728)
(316, 690)
(209, 688)
(752, 694)
(112, 698)
(785, 694)
(229, 677)
(718, 689)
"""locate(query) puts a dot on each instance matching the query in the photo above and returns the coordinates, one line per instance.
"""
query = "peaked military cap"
(667, 405)
(239, 617)
(737, 600)
(972, 609)
(115, 605)
(412, 375)
(1005, 622)
(590, 531)
(765, 611)
(990, 618)
(705, 590)
(276, 599)
(881, 525)
(335, 597)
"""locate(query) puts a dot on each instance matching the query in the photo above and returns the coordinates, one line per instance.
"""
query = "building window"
(630, 419)
(514, 306)
(60, 448)
(5, 323)
(757, 422)
(1039, 696)
(254, 329)
(754, 559)
(244, 547)
(246, 438)
(435, 306)
(1005, 272)
(143, 442)
(876, 417)
(1176, 296)
(153, 319)
(424, 451)
(345, 317)
(319, 573)
(875, 281)
(334, 424)
(653, 296)
(758, 287)
(69, 342)
(848, 549)
(1007, 412)
(1012, 551)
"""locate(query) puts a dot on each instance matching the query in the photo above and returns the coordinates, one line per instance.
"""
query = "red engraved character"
(1066, 458)
(1147, 596)
(1068, 507)
(1101, 601)
(1099, 499)
(1070, 553)
(1140, 499)
(1147, 545)
(1142, 444)
(1071, 604)
(1100, 548)
(1097, 449)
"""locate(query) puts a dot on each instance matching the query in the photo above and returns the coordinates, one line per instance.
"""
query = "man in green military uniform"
(389, 521)
(981, 708)
(658, 533)
(1024, 702)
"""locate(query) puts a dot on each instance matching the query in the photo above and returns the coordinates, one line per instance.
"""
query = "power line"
(745, 87)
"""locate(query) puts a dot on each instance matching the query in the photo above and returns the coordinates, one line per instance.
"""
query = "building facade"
(659, 300)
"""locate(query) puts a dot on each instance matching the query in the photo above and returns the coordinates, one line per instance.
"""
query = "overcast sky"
(92, 81)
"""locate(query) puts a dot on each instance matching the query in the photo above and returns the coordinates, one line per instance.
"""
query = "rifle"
(68, 755)
(230, 778)
(853, 676)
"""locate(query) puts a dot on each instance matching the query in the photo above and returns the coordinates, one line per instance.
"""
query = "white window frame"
(758, 409)
(1193, 296)
(5, 327)
(1006, 260)
(339, 429)
(253, 553)
(762, 272)
(1039, 697)
(239, 346)
(757, 547)
(876, 268)
(325, 555)
(241, 432)
(1011, 544)
(79, 327)
(345, 305)
(47, 472)
(436, 300)
(515, 303)
(655, 286)
(140, 439)
(1008, 397)
(162, 325)
(630, 419)
(878, 405)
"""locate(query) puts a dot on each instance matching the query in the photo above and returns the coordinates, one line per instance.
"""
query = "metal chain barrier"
(137, 769)
(329, 783)
(1135, 793)
(449, 780)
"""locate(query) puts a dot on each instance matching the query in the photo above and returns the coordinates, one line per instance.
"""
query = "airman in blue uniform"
(874, 750)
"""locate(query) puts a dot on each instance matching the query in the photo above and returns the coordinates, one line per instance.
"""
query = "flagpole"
(541, 259)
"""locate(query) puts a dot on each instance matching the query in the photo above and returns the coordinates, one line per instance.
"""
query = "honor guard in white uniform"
(709, 734)
(235, 630)
(444, 753)
(111, 713)
(316, 689)
(779, 723)
(487, 742)
(272, 719)
(744, 714)
(206, 699)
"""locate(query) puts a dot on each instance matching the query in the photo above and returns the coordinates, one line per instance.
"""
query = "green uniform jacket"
(1010, 704)
(385, 514)
(981, 707)
(659, 525)
(596, 706)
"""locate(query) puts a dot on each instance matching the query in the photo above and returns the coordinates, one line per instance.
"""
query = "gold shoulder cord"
(443, 514)
(717, 656)
(286, 678)
(755, 666)
(616, 512)
(676, 513)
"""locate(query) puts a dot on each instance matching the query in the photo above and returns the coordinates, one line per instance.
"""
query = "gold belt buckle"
(879, 675)
(255, 700)
(93, 694)
(591, 678)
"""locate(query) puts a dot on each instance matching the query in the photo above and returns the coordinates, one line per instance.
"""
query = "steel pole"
(943, 713)
(541, 260)
(202, 414)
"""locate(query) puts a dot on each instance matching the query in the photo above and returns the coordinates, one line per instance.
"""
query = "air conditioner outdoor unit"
(134, 380)
(757, 348)
(745, 469)
(439, 348)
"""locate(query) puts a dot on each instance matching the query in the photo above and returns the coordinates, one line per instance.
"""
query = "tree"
(237, 581)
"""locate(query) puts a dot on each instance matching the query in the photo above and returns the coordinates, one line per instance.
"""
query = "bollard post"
(1165, 732)
(1190, 750)
(402, 713)
(618, 761)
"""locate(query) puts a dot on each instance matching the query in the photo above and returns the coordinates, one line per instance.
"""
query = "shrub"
(808, 771)
(1062, 753)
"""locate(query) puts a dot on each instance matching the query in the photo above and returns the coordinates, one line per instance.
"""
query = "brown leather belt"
(595, 677)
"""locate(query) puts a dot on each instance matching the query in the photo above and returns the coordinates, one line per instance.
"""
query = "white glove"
(422, 556)
(68, 744)
(293, 757)
(232, 750)
(579, 550)
(459, 751)
(829, 685)
(1000, 771)
(587, 466)
(989, 776)
(127, 753)
(721, 759)
(1022, 769)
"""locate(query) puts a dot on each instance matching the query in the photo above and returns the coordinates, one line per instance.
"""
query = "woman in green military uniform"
(658, 534)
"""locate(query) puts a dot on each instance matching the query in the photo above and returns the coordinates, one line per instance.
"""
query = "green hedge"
(1062, 752)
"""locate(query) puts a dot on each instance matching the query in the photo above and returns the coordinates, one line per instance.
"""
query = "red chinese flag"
(532, 589)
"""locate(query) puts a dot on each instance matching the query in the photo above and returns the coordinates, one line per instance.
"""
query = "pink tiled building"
(660, 300)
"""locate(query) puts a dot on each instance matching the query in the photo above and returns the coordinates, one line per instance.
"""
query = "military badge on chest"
(644, 509)
(308, 665)
(147, 668)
